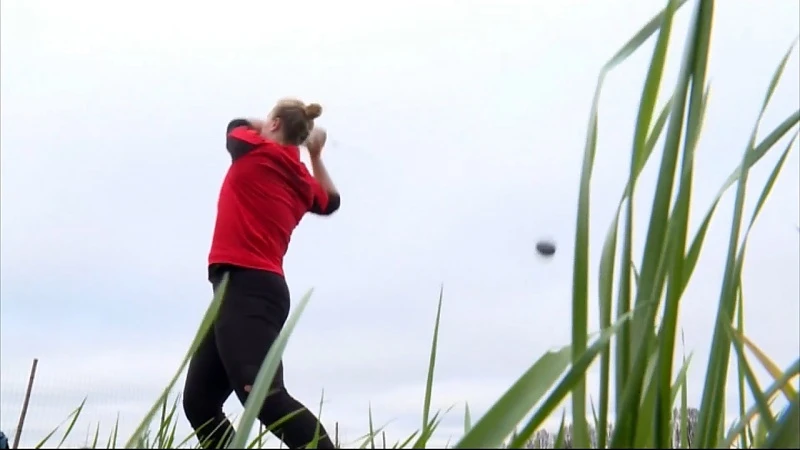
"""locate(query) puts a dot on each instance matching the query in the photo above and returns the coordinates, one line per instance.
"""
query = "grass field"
(639, 301)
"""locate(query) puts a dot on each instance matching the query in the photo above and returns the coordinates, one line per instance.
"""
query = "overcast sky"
(456, 135)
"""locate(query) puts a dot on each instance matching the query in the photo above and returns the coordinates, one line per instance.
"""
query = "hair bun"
(313, 111)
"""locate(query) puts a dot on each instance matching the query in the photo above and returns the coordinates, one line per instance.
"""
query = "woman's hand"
(316, 141)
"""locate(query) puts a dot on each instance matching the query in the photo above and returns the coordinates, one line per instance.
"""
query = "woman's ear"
(273, 125)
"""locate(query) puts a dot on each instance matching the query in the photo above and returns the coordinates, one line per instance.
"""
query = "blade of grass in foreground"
(96, 436)
(785, 379)
(112, 438)
(371, 439)
(499, 421)
(787, 433)
(627, 432)
(679, 229)
(606, 279)
(266, 374)
(259, 440)
(205, 325)
(711, 406)
(72, 422)
(315, 441)
(684, 419)
(559, 441)
(743, 438)
(567, 383)
(72, 418)
(580, 282)
(642, 150)
(408, 440)
(426, 432)
(467, 419)
(768, 364)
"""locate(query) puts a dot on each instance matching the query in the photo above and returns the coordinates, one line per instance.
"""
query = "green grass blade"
(711, 406)
(785, 379)
(432, 364)
(75, 414)
(567, 383)
(680, 379)
(680, 224)
(581, 257)
(498, 422)
(645, 432)
(167, 419)
(315, 441)
(767, 363)
(266, 374)
(96, 437)
(112, 439)
(684, 428)
(205, 325)
(642, 150)
(623, 346)
(371, 430)
(750, 159)
(740, 375)
(467, 419)
(429, 429)
(264, 429)
(47, 437)
(758, 394)
(653, 267)
(408, 440)
(786, 434)
(606, 276)
(560, 437)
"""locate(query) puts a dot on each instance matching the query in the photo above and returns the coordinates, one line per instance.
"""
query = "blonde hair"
(297, 118)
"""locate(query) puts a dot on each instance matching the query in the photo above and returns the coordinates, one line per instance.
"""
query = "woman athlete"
(266, 192)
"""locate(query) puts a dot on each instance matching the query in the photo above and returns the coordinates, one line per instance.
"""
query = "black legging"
(255, 307)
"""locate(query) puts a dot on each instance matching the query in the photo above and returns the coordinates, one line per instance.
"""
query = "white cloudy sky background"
(457, 136)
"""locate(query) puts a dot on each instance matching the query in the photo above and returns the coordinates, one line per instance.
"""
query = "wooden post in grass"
(25, 401)
(336, 435)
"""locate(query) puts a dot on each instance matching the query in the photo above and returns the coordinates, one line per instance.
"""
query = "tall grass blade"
(498, 422)
(606, 277)
(758, 394)
(560, 437)
(205, 325)
(680, 222)
(787, 432)
(773, 390)
(568, 382)
(408, 440)
(112, 439)
(655, 263)
(581, 253)
(740, 371)
(426, 408)
(96, 437)
(767, 363)
(467, 419)
(266, 374)
(371, 430)
(711, 406)
(75, 414)
(315, 440)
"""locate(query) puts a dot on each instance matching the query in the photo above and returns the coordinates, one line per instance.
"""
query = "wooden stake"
(25, 402)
